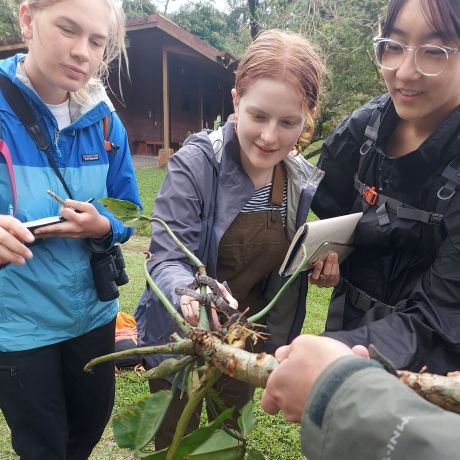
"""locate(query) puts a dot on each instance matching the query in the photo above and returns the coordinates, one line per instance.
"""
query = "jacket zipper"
(56, 142)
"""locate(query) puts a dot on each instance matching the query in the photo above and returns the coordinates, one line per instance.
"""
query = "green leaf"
(194, 440)
(127, 212)
(247, 420)
(134, 427)
(220, 446)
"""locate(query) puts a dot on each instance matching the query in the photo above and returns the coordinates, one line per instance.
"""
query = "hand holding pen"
(63, 203)
(82, 220)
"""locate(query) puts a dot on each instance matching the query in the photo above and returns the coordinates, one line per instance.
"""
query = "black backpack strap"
(372, 130)
(446, 193)
(368, 146)
(25, 113)
(402, 210)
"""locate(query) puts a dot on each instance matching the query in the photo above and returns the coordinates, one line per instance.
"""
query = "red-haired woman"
(235, 197)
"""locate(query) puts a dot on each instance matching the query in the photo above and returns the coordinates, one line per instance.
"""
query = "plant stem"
(208, 380)
(203, 316)
(197, 262)
(184, 346)
(203, 321)
(185, 327)
(264, 311)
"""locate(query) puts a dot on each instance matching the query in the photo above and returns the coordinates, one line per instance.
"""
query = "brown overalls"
(251, 248)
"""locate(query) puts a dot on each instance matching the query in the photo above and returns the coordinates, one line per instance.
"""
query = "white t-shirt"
(62, 113)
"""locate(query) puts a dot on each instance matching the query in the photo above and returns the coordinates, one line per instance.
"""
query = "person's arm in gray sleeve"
(359, 411)
(349, 407)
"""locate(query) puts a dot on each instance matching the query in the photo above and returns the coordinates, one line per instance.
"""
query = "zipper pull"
(56, 141)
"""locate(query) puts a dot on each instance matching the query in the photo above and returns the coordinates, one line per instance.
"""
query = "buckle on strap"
(360, 299)
(365, 302)
(370, 195)
(366, 147)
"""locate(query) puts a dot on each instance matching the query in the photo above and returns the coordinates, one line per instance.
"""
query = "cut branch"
(184, 346)
(444, 391)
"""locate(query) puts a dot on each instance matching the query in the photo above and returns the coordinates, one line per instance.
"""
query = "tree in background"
(343, 31)
(203, 20)
(137, 8)
(9, 26)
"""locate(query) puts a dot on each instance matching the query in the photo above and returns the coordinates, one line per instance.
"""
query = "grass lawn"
(275, 437)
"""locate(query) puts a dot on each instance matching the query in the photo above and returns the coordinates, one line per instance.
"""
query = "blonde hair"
(115, 48)
(289, 57)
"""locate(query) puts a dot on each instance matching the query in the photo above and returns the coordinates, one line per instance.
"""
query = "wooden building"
(178, 84)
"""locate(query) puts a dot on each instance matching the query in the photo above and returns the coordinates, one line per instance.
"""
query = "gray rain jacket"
(203, 192)
(358, 411)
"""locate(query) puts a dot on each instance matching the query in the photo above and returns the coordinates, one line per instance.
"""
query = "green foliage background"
(9, 27)
(341, 29)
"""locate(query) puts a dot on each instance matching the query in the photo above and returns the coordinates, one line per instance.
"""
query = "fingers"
(231, 300)
(301, 363)
(269, 404)
(82, 221)
(190, 309)
(282, 352)
(215, 319)
(12, 235)
(326, 273)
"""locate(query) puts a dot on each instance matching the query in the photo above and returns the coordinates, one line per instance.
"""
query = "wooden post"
(166, 127)
(164, 156)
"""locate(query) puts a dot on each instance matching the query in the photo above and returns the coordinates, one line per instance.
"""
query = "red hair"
(287, 57)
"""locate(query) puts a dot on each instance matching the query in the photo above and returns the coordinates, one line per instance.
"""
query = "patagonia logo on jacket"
(90, 156)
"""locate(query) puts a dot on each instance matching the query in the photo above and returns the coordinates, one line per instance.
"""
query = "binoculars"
(108, 272)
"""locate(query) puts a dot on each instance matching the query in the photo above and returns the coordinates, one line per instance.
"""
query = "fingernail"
(29, 237)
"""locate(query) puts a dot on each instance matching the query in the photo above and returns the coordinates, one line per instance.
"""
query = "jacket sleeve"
(121, 180)
(358, 408)
(428, 330)
(179, 204)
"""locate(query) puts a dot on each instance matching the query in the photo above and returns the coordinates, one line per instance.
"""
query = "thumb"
(360, 350)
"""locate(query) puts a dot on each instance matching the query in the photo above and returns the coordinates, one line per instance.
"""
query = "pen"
(58, 199)
(61, 201)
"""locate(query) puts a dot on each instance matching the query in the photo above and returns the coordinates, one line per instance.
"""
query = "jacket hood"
(213, 143)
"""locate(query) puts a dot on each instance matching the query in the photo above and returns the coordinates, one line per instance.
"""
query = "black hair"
(442, 15)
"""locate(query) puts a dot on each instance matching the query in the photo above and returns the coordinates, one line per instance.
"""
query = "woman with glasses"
(397, 159)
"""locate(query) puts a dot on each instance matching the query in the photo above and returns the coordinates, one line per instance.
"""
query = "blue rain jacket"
(52, 297)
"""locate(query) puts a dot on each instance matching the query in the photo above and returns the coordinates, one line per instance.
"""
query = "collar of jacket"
(97, 105)
(434, 150)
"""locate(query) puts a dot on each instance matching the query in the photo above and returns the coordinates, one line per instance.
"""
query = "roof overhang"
(200, 46)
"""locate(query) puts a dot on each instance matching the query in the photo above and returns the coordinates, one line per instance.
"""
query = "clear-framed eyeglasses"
(430, 60)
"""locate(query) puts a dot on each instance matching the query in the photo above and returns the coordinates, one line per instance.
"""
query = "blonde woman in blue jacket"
(52, 318)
